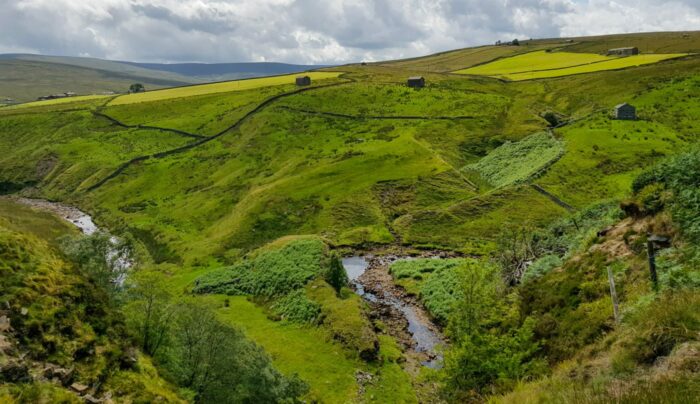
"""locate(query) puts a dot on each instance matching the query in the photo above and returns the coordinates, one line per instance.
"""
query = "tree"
(137, 88)
(516, 250)
(515, 42)
(149, 310)
(101, 258)
(336, 275)
(490, 348)
(220, 365)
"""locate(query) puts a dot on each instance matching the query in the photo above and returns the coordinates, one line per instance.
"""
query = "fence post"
(651, 253)
(613, 296)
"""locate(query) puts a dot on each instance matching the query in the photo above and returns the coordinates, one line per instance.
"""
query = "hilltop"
(508, 166)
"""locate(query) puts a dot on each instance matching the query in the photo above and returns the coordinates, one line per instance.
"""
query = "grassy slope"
(37, 277)
(357, 180)
(24, 80)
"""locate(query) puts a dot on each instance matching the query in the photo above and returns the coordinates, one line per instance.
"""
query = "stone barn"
(625, 111)
(623, 51)
(416, 82)
(303, 81)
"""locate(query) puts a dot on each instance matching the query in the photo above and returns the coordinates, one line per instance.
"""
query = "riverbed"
(405, 318)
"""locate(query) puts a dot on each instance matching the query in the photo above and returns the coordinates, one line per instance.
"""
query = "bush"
(296, 307)
(271, 273)
(542, 266)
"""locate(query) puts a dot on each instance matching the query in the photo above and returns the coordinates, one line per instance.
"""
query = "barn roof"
(624, 104)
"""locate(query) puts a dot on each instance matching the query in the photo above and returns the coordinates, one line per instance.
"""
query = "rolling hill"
(486, 205)
(25, 77)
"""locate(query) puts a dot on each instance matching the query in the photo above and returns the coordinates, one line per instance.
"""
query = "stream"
(120, 260)
(406, 319)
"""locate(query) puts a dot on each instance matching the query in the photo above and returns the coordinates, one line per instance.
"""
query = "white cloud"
(312, 31)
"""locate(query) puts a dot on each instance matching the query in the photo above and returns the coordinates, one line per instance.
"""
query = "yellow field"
(535, 65)
(224, 87)
(58, 101)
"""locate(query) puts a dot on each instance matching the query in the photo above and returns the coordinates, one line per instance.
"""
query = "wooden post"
(651, 253)
(613, 296)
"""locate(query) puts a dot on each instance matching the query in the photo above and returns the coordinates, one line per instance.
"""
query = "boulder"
(5, 324)
(79, 388)
(129, 359)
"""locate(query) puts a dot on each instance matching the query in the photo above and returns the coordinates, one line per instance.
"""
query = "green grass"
(305, 350)
(44, 225)
(543, 64)
(223, 87)
(603, 156)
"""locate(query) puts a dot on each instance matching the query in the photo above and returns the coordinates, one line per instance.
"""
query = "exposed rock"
(15, 372)
(79, 388)
(129, 358)
(64, 376)
(24, 311)
(5, 344)
(90, 399)
(5, 324)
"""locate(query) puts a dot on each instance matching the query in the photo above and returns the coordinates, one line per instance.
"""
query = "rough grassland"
(517, 161)
(556, 64)
(463, 58)
(224, 87)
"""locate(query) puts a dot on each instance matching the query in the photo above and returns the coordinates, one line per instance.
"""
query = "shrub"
(270, 273)
(542, 266)
(296, 307)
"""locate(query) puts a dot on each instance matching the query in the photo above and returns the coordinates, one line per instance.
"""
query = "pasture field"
(536, 65)
(58, 101)
(223, 87)
(463, 58)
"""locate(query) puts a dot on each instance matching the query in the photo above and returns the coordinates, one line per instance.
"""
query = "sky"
(313, 31)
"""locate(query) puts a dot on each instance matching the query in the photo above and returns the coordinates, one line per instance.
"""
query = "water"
(121, 259)
(426, 340)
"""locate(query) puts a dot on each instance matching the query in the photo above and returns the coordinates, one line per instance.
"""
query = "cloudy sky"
(312, 31)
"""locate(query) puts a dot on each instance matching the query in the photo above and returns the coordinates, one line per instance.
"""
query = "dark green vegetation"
(241, 198)
(59, 320)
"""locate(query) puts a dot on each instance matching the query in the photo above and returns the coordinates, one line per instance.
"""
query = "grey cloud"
(312, 31)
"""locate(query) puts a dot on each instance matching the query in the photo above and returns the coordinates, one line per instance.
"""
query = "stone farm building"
(303, 81)
(416, 82)
(625, 111)
(623, 51)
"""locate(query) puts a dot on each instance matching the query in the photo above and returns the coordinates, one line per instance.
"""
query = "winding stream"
(121, 260)
(425, 336)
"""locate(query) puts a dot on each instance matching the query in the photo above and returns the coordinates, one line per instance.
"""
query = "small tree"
(515, 42)
(336, 275)
(137, 88)
(149, 310)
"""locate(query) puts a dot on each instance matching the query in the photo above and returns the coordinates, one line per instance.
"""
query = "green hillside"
(239, 198)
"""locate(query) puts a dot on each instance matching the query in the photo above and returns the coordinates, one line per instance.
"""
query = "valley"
(363, 241)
